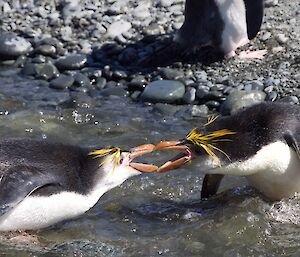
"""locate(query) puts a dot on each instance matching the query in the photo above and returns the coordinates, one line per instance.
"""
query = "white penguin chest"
(274, 170)
(233, 14)
(37, 212)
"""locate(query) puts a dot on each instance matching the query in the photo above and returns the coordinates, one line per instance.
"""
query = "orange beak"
(175, 163)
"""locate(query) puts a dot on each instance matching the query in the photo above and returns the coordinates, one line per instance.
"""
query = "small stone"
(199, 110)
(12, 46)
(71, 62)
(47, 50)
(101, 82)
(289, 99)
(170, 74)
(81, 80)
(271, 96)
(117, 28)
(281, 38)
(189, 96)
(46, 71)
(62, 82)
(240, 99)
(166, 109)
(114, 91)
(212, 104)
(163, 91)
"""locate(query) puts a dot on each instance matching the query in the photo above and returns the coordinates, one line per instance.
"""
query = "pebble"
(71, 62)
(114, 91)
(46, 71)
(47, 50)
(281, 38)
(240, 99)
(62, 82)
(199, 110)
(170, 74)
(189, 96)
(12, 46)
(117, 28)
(163, 91)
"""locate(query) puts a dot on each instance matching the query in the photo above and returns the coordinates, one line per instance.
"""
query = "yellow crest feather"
(114, 152)
(207, 141)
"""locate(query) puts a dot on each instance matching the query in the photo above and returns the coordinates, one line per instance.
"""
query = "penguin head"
(115, 166)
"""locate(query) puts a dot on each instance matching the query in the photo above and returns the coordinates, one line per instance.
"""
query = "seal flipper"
(20, 182)
(254, 16)
(291, 142)
(210, 185)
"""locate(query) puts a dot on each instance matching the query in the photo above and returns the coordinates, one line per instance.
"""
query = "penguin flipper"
(292, 142)
(210, 185)
(20, 182)
(254, 16)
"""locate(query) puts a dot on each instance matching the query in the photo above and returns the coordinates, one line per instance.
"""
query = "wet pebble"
(46, 71)
(114, 91)
(239, 99)
(47, 50)
(164, 91)
(170, 74)
(117, 28)
(62, 82)
(12, 46)
(189, 96)
(71, 62)
(199, 110)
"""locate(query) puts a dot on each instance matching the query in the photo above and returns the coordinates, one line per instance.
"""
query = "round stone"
(62, 82)
(163, 91)
(46, 71)
(114, 91)
(47, 50)
(71, 62)
(12, 46)
(240, 99)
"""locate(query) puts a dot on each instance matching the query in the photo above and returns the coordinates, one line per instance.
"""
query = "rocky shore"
(88, 50)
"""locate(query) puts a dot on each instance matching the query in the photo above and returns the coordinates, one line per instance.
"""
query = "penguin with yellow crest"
(260, 142)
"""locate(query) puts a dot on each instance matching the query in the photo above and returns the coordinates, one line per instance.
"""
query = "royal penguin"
(42, 183)
(260, 142)
(224, 25)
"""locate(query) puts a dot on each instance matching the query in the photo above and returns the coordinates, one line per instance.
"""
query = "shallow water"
(149, 215)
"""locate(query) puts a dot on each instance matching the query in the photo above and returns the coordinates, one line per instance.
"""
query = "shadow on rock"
(151, 52)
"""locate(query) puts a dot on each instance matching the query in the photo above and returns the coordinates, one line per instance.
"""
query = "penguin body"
(264, 149)
(223, 24)
(43, 183)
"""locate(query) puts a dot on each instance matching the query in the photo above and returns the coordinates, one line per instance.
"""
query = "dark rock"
(62, 82)
(163, 91)
(46, 71)
(239, 99)
(114, 91)
(12, 46)
(71, 62)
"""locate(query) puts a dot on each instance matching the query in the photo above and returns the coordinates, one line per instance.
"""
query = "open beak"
(139, 151)
(175, 163)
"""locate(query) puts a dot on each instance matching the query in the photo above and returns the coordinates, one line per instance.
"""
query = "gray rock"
(46, 71)
(163, 91)
(117, 28)
(71, 62)
(166, 109)
(12, 46)
(48, 50)
(171, 74)
(114, 91)
(199, 110)
(190, 95)
(62, 82)
(240, 99)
